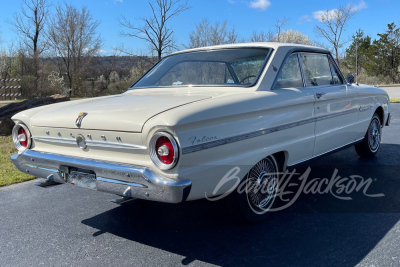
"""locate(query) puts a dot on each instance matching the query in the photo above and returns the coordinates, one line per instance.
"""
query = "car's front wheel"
(256, 193)
(369, 146)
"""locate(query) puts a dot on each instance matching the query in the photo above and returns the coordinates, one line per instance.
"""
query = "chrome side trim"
(336, 114)
(113, 145)
(332, 150)
(365, 108)
(55, 140)
(220, 142)
(241, 137)
(90, 143)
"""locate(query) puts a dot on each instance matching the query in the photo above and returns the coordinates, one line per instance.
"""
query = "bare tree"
(270, 36)
(233, 37)
(155, 29)
(331, 25)
(72, 34)
(279, 24)
(207, 34)
(201, 35)
(262, 37)
(30, 24)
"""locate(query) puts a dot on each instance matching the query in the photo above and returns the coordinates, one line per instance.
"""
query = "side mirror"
(350, 78)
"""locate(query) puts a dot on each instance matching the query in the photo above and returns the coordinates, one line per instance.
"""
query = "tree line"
(376, 61)
(59, 47)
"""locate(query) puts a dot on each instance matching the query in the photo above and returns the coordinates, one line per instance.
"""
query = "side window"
(337, 78)
(317, 69)
(290, 75)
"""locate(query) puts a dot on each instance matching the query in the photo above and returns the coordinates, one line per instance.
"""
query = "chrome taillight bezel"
(17, 142)
(153, 152)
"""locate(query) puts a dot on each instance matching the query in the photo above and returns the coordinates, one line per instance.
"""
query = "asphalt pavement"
(393, 91)
(66, 226)
(5, 102)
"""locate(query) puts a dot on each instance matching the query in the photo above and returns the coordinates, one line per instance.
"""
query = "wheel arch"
(381, 113)
(281, 158)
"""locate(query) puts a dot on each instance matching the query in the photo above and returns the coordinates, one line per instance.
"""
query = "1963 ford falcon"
(199, 114)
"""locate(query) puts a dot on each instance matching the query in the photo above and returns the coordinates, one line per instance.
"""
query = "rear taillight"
(163, 150)
(21, 137)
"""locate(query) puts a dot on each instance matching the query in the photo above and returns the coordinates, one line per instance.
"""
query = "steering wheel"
(242, 80)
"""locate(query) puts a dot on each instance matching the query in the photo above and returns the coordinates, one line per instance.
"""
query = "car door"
(336, 107)
(298, 112)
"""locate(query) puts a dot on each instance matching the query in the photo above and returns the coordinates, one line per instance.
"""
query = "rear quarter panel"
(370, 99)
(229, 116)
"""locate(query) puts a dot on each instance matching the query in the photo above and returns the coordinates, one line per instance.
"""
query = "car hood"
(125, 112)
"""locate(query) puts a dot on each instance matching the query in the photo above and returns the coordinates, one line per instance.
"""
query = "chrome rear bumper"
(114, 178)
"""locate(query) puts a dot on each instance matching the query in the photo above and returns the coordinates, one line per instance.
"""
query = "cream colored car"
(202, 120)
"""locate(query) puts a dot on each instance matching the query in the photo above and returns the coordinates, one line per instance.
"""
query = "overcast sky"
(245, 16)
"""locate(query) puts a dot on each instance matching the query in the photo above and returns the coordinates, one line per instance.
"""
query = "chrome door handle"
(319, 95)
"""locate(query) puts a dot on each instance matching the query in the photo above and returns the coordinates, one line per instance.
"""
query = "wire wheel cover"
(262, 183)
(374, 135)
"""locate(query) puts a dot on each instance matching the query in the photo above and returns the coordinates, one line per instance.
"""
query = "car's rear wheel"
(256, 194)
(369, 146)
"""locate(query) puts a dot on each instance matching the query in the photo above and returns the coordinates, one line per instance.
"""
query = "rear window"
(226, 67)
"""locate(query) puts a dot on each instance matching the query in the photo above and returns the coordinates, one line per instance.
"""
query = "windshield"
(228, 67)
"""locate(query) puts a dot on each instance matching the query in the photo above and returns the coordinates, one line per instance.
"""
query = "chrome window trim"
(336, 67)
(297, 50)
(225, 141)
(267, 58)
(331, 62)
(326, 55)
(301, 70)
(300, 67)
(90, 143)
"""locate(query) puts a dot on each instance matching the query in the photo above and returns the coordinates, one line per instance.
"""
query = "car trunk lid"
(126, 112)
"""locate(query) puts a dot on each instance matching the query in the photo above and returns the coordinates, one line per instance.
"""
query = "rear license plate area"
(81, 178)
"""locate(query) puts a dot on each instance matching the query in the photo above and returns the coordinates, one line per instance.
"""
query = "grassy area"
(388, 85)
(395, 100)
(8, 173)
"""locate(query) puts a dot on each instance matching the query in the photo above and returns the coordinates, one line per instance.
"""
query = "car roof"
(273, 45)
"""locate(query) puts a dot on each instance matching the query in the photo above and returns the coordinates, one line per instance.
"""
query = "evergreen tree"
(386, 54)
